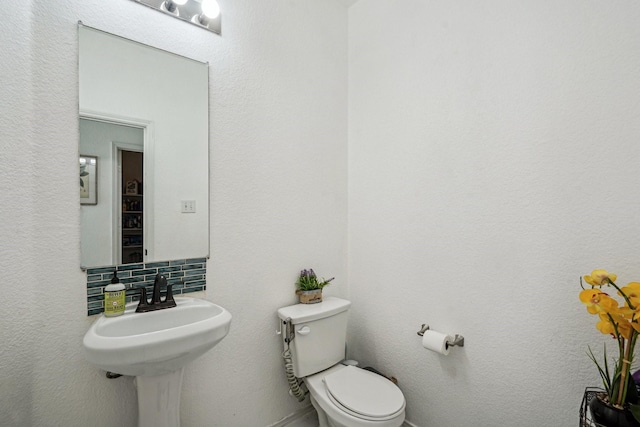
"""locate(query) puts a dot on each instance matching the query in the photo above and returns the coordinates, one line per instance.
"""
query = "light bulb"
(171, 6)
(210, 9)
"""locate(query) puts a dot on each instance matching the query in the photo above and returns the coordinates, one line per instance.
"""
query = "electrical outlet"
(188, 206)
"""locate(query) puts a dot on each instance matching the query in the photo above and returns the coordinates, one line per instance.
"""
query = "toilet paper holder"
(458, 340)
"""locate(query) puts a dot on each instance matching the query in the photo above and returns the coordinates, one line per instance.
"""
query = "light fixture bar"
(190, 11)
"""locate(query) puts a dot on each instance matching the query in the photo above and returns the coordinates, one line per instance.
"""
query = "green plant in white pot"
(310, 287)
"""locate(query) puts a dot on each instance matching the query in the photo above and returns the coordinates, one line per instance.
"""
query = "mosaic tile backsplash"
(186, 275)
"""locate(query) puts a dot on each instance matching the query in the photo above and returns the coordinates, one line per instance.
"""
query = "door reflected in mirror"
(144, 118)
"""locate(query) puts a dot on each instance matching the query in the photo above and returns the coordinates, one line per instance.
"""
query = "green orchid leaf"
(604, 373)
(632, 392)
(635, 411)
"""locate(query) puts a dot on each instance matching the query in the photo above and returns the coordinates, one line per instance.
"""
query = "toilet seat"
(364, 394)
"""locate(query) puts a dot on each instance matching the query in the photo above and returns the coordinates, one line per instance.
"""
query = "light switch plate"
(188, 206)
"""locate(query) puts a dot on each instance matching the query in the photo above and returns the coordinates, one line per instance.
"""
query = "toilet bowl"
(347, 396)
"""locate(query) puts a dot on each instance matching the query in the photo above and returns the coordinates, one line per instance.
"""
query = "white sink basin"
(157, 342)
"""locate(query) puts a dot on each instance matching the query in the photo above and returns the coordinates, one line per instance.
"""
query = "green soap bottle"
(114, 297)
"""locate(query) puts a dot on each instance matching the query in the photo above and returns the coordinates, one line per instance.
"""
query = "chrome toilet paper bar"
(424, 329)
(458, 340)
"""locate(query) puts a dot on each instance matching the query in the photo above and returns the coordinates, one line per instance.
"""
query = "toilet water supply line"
(294, 384)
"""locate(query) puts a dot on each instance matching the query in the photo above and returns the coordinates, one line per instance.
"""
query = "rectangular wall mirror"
(144, 152)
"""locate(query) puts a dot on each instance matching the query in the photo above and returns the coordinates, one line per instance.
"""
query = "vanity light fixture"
(210, 11)
(171, 6)
(202, 13)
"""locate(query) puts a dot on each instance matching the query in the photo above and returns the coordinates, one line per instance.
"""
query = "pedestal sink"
(155, 347)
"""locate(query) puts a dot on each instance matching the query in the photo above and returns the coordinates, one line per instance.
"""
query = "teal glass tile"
(98, 284)
(174, 280)
(194, 289)
(144, 272)
(99, 297)
(95, 304)
(143, 275)
(138, 285)
(121, 274)
(99, 270)
(156, 264)
(192, 266)
(195, 272)
(126, 267)
(173, 268)
(135, 279)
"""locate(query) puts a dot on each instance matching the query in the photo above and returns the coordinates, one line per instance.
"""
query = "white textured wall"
(278, 203)
(493, 158)
(17, 182)
(493, 152)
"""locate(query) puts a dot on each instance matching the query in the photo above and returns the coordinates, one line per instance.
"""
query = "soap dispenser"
(114, 297)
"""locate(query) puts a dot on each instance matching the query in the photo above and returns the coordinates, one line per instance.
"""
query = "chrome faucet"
(156, 302)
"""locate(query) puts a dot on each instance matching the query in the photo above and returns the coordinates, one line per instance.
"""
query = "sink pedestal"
(159, 400)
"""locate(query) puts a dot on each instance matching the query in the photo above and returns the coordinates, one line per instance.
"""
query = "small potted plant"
(310, 287)
(618, 405)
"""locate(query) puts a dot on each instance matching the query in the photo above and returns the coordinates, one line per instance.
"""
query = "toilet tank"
(319, 331)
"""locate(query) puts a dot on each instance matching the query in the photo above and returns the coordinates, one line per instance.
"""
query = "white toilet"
(343, 396)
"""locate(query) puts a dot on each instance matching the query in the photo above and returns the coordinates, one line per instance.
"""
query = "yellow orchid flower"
(625, 312)
(631, 291)
(597, 301)
(600, 277)
(620, 321)
(607, 327)
(624, 328)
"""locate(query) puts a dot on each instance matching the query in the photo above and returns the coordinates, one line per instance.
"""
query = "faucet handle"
(169, 297)
(143, 303)
(155, 304)
(158, 284)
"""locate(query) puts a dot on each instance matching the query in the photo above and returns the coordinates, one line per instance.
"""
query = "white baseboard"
(293, 417)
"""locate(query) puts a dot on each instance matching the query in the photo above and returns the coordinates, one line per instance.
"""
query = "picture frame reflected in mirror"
(88, 180)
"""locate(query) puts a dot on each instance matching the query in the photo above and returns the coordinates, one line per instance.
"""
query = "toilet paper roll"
(436, 341)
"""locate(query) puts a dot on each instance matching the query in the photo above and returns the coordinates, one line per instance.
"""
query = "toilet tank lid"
(300, 313)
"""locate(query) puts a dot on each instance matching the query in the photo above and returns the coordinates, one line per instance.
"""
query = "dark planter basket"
(606, 415)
